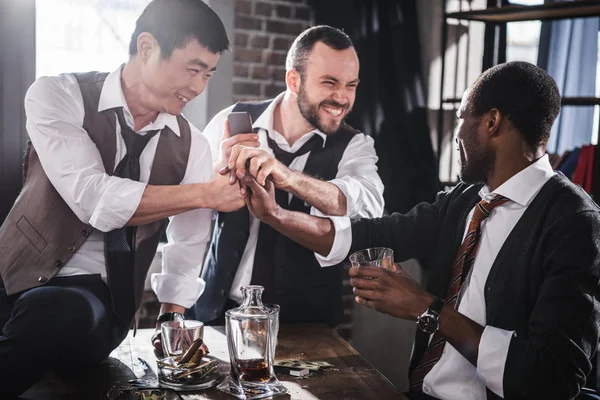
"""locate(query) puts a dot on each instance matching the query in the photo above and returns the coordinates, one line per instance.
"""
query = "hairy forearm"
(159, 202)
(461, 332)
(324, 196)
(314, 233)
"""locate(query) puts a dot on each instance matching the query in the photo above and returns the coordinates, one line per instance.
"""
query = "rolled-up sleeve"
(341, 242)
(358, 179)
(71, 160)
(188, 233)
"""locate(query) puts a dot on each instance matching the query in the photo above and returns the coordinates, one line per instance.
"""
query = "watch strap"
(170, 316)
(436, 305)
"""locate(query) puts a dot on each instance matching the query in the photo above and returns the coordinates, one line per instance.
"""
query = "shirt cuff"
(352, 192)
(493, 351)
(341, 242)
(117, 204)
(175, 289)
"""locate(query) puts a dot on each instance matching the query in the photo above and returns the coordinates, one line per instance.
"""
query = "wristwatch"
(170, 316)
(429, 321)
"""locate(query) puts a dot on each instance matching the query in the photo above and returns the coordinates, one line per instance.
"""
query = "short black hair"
(523, 92)
(173, 23)
(304, 43)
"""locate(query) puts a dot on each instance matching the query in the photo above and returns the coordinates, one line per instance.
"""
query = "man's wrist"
(426, 302)
(170, 316)
(293, 181)
(204, 194)
(276, 218)
(429, 321)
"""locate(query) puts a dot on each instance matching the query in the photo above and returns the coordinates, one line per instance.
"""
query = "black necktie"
(286, 158)
(119, 244)
(263, 271)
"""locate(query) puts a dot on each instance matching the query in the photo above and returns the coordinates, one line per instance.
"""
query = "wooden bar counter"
(351, 377)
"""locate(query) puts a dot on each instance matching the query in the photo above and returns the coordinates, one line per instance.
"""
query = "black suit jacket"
(544, 283)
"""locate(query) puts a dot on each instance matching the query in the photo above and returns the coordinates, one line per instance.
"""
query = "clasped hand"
(257, 172)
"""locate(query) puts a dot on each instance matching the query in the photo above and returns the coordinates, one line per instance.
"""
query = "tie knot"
(134, 143)
(484, 208)
(286, 157)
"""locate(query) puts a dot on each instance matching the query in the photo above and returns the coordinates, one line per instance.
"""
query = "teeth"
(180, 97)
(333, 111)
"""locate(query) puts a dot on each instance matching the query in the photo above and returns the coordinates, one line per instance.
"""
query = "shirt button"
(84, 232)
(426, 389)
(72, 249)
(42, 279)
(58, 263)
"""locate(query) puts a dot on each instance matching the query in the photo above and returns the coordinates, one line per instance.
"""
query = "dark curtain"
(390, 104)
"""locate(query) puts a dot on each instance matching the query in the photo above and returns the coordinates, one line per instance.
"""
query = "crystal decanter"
(251, 338)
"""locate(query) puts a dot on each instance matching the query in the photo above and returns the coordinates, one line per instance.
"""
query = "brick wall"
(264, 31)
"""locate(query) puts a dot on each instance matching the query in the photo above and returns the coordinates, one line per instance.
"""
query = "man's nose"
(339, 98)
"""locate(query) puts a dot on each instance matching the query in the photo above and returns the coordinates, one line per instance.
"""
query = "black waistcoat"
(305, 291)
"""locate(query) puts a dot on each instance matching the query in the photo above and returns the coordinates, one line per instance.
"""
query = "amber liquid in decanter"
(255, 370)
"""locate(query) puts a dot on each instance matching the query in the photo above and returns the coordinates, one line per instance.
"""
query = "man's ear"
(493, 120)
(146, 45)
(292, 80)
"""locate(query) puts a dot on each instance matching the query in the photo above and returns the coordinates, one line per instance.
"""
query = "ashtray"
(188, 377)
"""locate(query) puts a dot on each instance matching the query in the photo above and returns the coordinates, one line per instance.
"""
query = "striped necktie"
(460, 270)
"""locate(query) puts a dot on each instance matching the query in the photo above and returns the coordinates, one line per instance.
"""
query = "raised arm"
(74, 166)
(411, 235)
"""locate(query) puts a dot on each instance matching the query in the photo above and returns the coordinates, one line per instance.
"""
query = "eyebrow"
(202, 64)
(329, 77)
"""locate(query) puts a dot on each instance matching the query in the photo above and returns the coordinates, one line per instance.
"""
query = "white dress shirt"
(357, 178)
(454, 377)
(72, 162)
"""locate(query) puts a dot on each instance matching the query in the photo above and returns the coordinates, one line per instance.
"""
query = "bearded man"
(319, 166)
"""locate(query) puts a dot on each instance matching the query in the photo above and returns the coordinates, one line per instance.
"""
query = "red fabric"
(583, 175)
(589, 171)
(579, 174)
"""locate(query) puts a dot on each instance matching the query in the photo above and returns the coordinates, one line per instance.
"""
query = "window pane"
(523, 38)
(83, 35)
(522, 41)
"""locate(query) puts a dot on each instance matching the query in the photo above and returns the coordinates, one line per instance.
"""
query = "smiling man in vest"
(110, 159)
(321, 166)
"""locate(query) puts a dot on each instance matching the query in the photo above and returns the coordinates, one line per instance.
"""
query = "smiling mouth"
(333, 111)
(182, 99)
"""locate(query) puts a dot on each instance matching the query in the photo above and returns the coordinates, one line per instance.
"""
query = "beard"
(310, 112)
(478, 165)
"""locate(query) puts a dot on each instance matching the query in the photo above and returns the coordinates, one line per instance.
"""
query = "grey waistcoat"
(41, 233)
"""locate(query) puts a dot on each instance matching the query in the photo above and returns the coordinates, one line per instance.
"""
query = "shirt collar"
(265, 121)
(112, 96)
(522, 187)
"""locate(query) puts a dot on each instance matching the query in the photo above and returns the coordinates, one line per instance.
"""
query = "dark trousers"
(64, 325)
